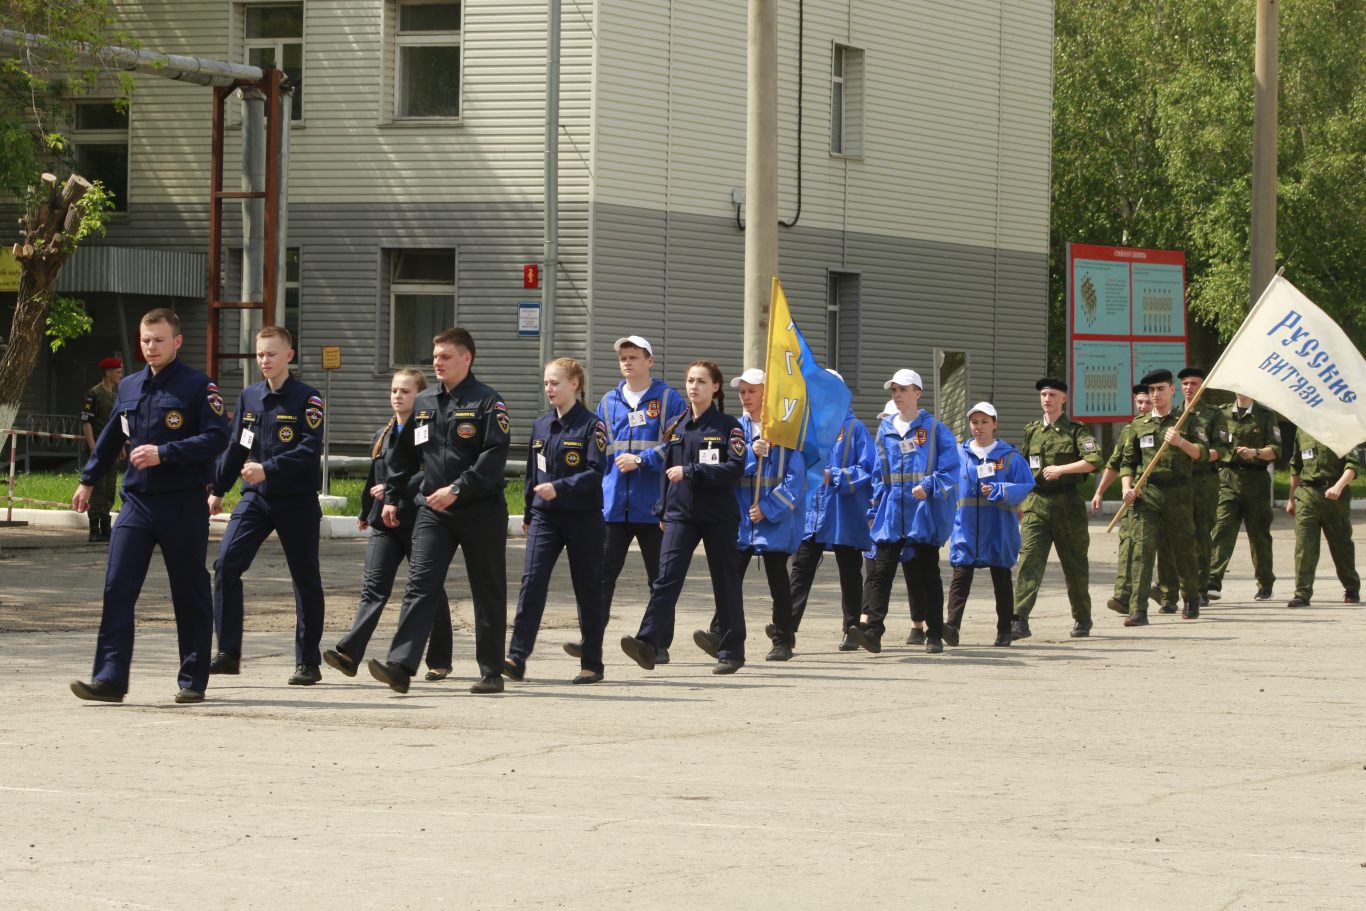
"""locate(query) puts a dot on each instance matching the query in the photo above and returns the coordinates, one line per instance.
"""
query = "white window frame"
(278, 45)
(79, 137)
(397, 288)
(398, 41)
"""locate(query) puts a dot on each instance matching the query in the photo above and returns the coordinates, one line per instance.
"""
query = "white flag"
(1292, 358)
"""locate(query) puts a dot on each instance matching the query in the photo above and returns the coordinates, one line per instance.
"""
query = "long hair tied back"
(574, 371)
(419, 383)
(716, 377)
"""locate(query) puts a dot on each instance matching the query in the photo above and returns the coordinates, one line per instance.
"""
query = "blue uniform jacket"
(286, 428)
(926, 457)
(180, 411)
(372, 508)
(570, 452)
(986, 531)
(631, 496)
(782, 497)
(711, 451)
(838, 511)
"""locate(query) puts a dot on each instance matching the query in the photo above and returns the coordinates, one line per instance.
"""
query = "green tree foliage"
(1152, 146)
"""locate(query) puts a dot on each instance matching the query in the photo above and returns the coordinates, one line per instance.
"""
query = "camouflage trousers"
(1244, 499)
(1054, 520)
(1162, 516)
(1315, 513)
(1205, 501)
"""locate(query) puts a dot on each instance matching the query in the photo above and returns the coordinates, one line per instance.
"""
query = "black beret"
(1050, 382)
(1157, 376)
(1140, 388)
(1199, 372)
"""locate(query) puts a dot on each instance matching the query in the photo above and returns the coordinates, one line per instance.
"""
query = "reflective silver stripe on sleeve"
(983, 501)
(906, 477)
(782, 497)
(632, 445)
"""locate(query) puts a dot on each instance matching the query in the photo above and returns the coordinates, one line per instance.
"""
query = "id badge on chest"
(986, 470)
(636, 419)
(540, 463)
(247, 437)
(908, 446)
(1146, 441)
(1306, 454)
(1035, 462)
(421, 433)
(709, 457)
(123, 424)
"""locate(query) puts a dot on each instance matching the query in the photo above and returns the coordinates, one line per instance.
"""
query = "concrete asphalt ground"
(1210, 764)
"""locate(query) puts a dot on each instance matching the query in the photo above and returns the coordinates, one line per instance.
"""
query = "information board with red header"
(1126, 316)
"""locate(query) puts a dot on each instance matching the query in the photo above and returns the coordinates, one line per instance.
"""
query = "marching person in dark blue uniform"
(172, 418)
(986, 532)
(459, 436)
(704, 456)
(772, 495)
(914, 492)
(635, 414)
(388, 547)
(564, 465)
(837, 520)
(275, 447)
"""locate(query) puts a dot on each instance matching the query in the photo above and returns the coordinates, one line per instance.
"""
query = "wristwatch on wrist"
(453, 491)
(639, 461)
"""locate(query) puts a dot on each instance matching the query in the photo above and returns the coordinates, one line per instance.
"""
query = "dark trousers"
(615, 546)
(923, 585)
(680, 540)
(179, 524)
(387, 548)
(483, 538)
(960, 586)
(549, 533)
(775, 567)
(294, 519)
(804, 566)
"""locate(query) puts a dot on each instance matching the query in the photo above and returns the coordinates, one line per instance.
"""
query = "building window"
(421, 302)
(99, 139)
(842, 325)
(427, 50)
(289, 318)
(274, 34)
(846, 102)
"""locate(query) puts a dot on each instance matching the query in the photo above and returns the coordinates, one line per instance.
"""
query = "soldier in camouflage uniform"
(95, 412)
(1253, 439)
(1321, 499)
(1060, 452)
(1161, 507)
(1207, 427)
(1142, 405)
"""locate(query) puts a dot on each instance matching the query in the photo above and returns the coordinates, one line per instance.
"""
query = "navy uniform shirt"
(281, 429)
(711, 450)
(372, 509)
(178, 410)
(570, 452)
(460, 439)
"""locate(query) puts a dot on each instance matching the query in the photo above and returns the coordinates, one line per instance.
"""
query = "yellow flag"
(785, 411)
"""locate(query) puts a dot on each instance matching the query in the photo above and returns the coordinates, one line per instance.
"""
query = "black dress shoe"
(488, 686)
(187, 695)
(225, 663)
(434, 675)
(1137, 618)
(866, 639)
(1080, 630)
(1191, 611)
(1019, 628)
(639, 651)
(573, 649)
(1263, 594)
(96, 691)
(728, 665)
(512, 670)
(1168, 607)
(706, 641)
(934, 646)
(847, 644)
(661, 656)
(1352, 597)
(1297, 601)
(915, 637)
(779, 652)
(340, 661)
(1002, 640)
(950, 635)
(588, 677)
(394, 676)
(305, 675)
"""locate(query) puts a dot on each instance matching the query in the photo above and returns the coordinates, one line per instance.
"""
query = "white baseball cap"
(634, 340)
(986, 408)
(904, 377)
(754, 376)
(888, 410)
(835, 374)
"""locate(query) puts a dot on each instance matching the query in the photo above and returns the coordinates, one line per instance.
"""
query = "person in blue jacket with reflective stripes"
(837, 520)
(635, 414)
(771, 522)
(914, 492)
(986, 532)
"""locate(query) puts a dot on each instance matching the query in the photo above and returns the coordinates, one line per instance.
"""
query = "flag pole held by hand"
(1143, 478)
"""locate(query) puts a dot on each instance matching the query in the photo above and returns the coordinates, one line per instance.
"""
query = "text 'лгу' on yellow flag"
(784, 419)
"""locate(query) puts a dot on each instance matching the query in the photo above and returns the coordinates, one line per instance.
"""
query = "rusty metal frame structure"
(270, 85)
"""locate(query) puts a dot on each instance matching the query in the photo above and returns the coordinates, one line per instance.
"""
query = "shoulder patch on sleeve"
(316, 401)
(504, 424)
(600, 436)
(499, 406)
(215, 398)
(737, 442)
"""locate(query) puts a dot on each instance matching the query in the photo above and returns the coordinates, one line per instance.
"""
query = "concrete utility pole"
(1264, 153)
(761, 175)
(551, 268)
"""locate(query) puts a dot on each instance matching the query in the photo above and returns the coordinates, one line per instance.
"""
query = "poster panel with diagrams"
(1126, 316)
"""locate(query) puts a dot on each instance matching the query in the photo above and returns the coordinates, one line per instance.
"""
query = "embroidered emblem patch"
(499, 406)
(921, 435)
(466, 431)
(1088, 444)
(572, 458)
(999, 464)
(737, 443)
(504, 424)
(652, 409)
(315, 401)
(536, 444)
(175, 420)
(215, 399)
(285, 433)
(314, 417)
(600, 436)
